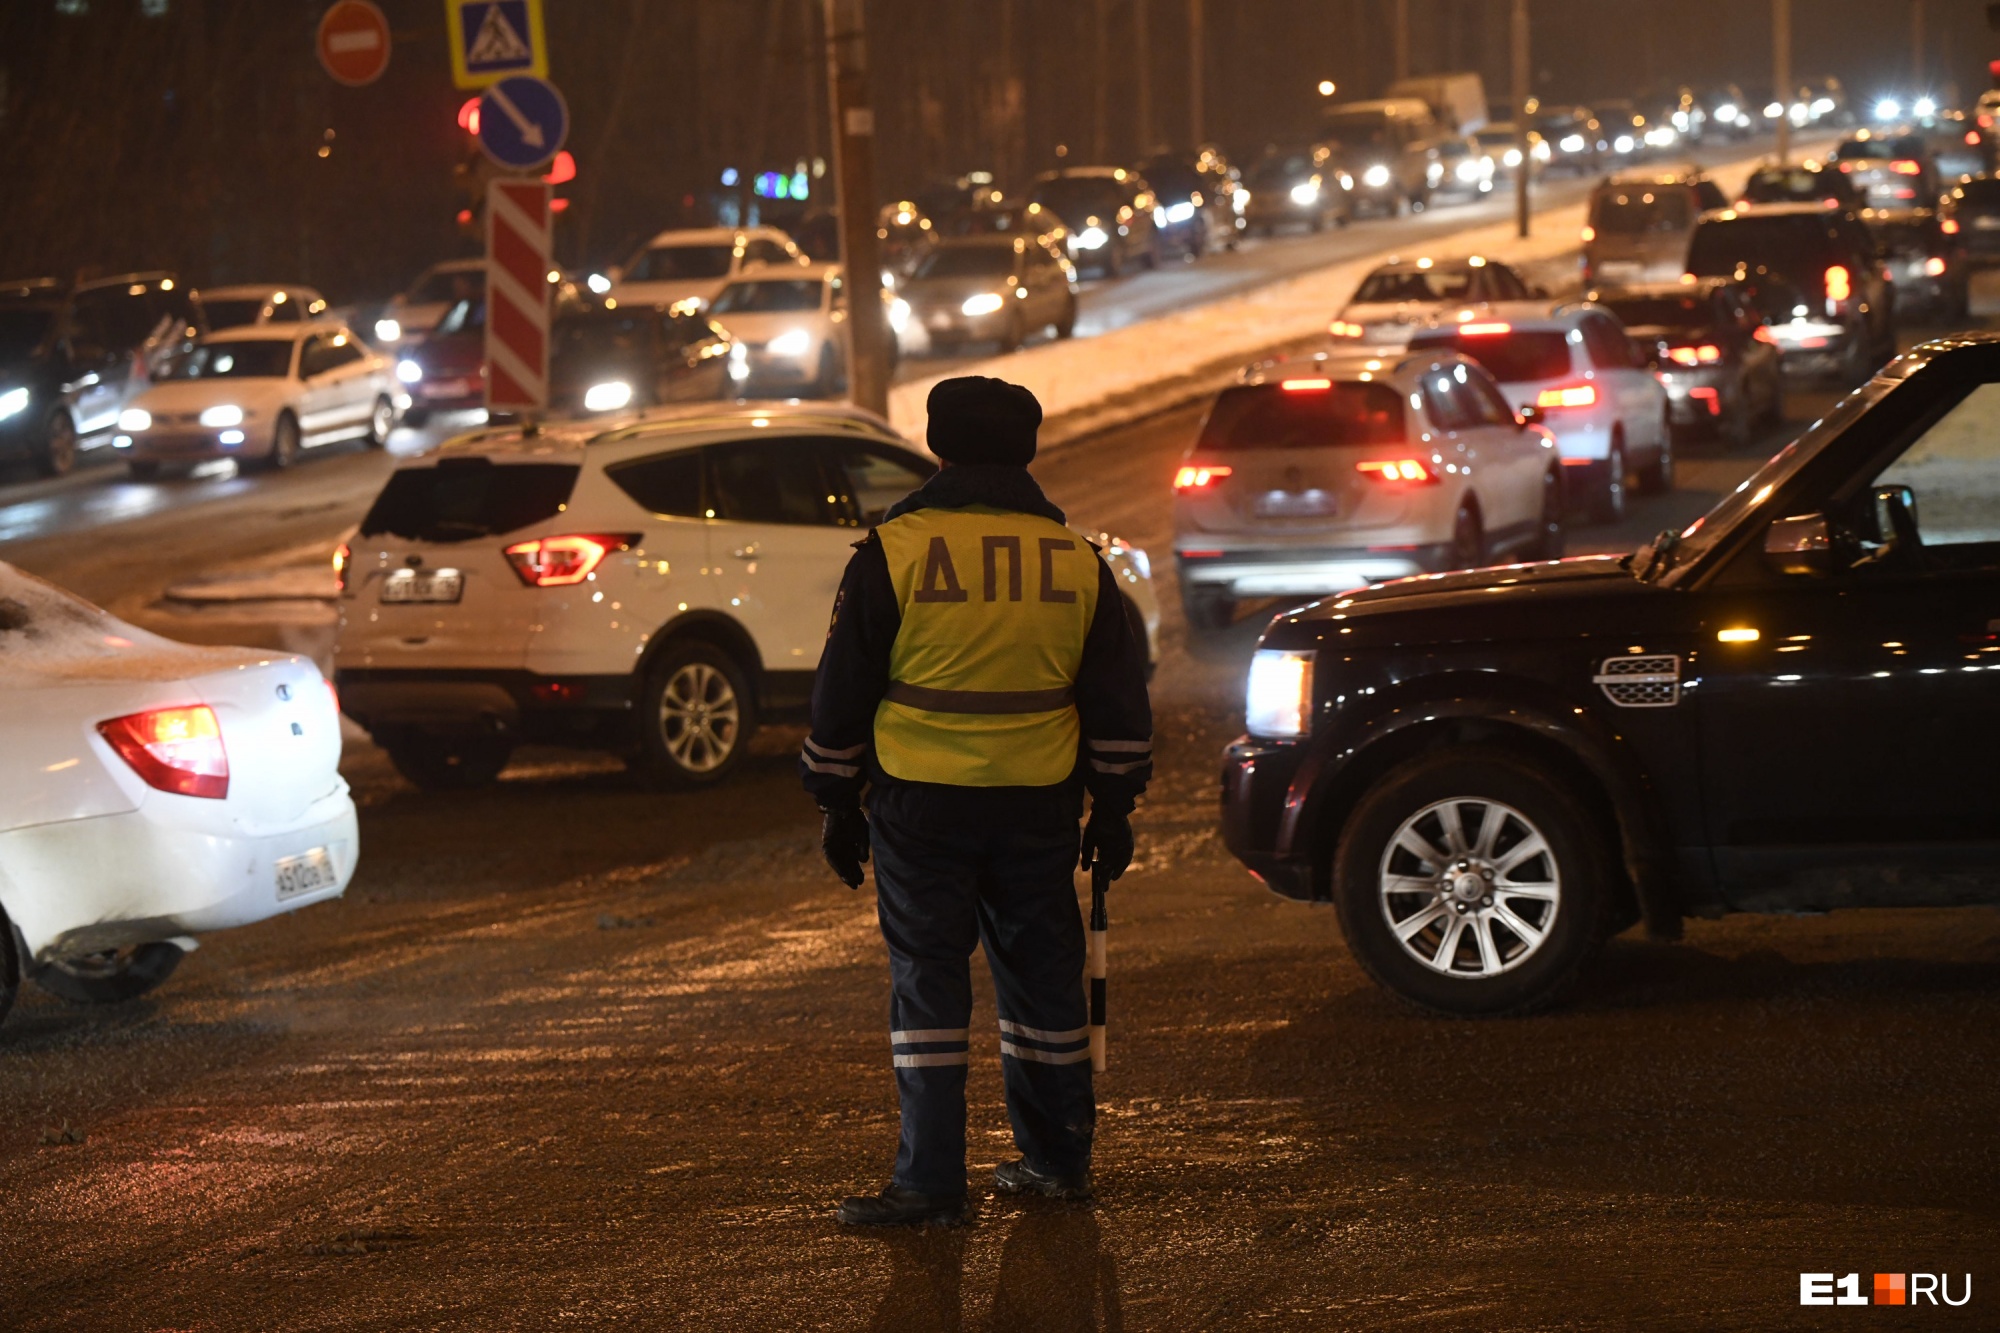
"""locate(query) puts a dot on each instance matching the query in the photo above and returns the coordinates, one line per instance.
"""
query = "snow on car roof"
(48, 635)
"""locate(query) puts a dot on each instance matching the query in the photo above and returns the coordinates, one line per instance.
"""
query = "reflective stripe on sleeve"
(1043, 1057)
(838, 770)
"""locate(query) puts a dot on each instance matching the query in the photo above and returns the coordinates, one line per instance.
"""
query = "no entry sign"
(354, 42)
(518, 242)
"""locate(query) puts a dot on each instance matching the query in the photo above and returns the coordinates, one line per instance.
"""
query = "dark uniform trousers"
(941, 888)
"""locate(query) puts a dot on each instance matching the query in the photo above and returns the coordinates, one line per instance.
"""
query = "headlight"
(1159, 215)
(388, 331)
(792, 342)
(607, 397)
(1305, 192)
(135, 418)
(226, 414)
(983, 304)
(409, 372)
(1375, 177)
(1468, 170)
(598, 283)
(1571, 143)
(1513, 157)
(1622, 144)
(1279, 699)
(13, 402)
(739, 362)
(1241, 198)
(1181, 212)
(899, 315)
(1090, 238)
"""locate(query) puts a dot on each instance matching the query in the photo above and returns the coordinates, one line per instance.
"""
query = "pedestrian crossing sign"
(493, 40)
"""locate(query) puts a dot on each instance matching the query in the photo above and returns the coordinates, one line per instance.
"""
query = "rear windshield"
(675, 263)
(1904, 235)
(1270, 416)
(453, 286)
(1359, 133)
(1781, 244)
(744, 298)
(231, 314)
(1281, 169)
(464, 499)
(232, 361)
(1980, 191)
(1673, 312)
(1511, 358)
(601, 335)
(967, 261)
(1077, 199)
(1426, 285)
(1861, 150)
(1796, 185)
(1628, 212)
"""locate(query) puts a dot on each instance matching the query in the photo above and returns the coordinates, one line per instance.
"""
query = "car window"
(765, 252)
(1444, 404)
(1309, 414)
(1504, 284)
(468, 499)
(261, 359)
(341, 350)
(681, 263)
(869, 478)
(1709, 196)
(1484, 398)
(1953, 469)
(1636, 209)
(1609, 348)
(1430, 285)
(768, 296)
(769, 481)
(316, 358)
(285, 312)
(667, 483)
(1512, 357)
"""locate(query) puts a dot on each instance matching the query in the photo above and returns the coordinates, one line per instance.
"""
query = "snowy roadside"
(1088, 385)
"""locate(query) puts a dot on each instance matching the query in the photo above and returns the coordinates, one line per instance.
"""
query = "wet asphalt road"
(570, 1054)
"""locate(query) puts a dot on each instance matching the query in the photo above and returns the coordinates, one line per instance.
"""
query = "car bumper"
(1695, 400)
(1257, 779)
(1811, 346)
(165, 446)
(85, 885)
(766, 368)
(1307, 571)
(523, 705)
(947, 325)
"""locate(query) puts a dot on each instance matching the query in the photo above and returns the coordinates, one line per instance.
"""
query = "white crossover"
(261, 394)
(150, 792)
(693, 265)
(654, 585)
(1401, 296)
(1319, 475)
(790, 327)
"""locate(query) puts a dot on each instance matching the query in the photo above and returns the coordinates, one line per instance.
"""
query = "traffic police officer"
(981, 673)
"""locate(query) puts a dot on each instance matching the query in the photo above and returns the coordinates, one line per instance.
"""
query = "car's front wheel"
(381, 420)
(57, 454)
(284, 443)
(1551, 534)
(112, 975)
(1608, 505)
(1471, 883)
(695, 717)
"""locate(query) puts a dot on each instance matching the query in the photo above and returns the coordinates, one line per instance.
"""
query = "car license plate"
(1298, 504)
(425, 585)
(308, 872)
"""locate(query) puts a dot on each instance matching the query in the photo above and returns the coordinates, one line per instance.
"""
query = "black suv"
(1788, 707)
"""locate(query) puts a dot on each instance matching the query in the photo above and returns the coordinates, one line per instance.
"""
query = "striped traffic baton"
(1100, 882)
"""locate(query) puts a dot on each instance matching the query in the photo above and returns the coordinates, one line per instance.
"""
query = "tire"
(1551, 541)
(1657, 478)
(696, 717)
(1468, 537)
(143, 469)
(1465, 957)
(1066, 326)
(1609, 504)
(416, 416)
(284, 444)
(381, 420)
(449, 763)
(56, 455)
(112, 976)
(1208, 608)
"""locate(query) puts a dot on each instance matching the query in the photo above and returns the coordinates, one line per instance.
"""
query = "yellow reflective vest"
(995, 607)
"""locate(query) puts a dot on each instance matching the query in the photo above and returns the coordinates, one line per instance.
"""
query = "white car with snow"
(261, 394)
(415, 311)
(234, 306)
(1319, 475)
(693, 264)
(1401, 296)
(653, 586)
(790, 327)
(151, 792)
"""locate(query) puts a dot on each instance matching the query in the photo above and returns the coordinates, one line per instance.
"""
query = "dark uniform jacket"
(838, 763)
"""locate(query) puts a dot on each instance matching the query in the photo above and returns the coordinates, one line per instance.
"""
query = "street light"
(1326, 87)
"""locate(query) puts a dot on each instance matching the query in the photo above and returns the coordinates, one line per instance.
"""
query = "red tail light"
(173, 749)
(1568, 395)
(1709, 397)
(1764, 335)
(1934, 267)
(1707, 354)
(1949, 226)
(555, 562)
(1839, 283)
(1903, 166)
(1847, 166)
(1199, 478)
(341, 554)
(1972, 138)
(1397, 469)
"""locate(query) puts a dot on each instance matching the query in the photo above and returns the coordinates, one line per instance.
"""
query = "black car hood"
(1503, 602)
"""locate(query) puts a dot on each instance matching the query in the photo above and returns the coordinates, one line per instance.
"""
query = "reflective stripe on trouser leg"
(924, 896)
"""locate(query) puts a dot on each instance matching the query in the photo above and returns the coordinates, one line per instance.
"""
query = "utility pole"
(1196, 58)
(854, 185)
(1142, 57)
(1919, 84)
(1402, 39)
(1781, 74)
(1100, 148)
(1522, 93)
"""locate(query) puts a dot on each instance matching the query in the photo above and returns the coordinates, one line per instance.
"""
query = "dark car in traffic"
(1783, 708)
(1707, 344)
(1815, 274)
(1108, 212)
(1196, 196)
(446, 372)
(1921, 258)
(1892, 170)
(1382, 150)
(1969, 213)
(1296, 187)
(1799, 183)
(619, 358)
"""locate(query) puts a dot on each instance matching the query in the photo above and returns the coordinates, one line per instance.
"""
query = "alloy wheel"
(700, 718)
(1470, 887)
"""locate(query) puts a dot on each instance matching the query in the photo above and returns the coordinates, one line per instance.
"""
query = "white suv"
(655, 587)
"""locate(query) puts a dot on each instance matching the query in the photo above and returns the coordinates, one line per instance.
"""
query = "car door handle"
(745, 552)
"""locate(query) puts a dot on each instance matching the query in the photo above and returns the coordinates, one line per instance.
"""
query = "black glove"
(843, 838)
(1108, 838)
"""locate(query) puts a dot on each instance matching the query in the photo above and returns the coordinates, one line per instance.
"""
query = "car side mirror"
(1801, 544)
(1530, 416)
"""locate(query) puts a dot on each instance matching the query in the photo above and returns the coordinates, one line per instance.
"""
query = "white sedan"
(151, 791)
(790, 330)
(261, 394)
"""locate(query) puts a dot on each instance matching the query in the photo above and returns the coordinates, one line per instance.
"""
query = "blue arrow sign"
(522, 121)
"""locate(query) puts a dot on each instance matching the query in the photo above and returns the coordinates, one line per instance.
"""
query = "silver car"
(999, 288)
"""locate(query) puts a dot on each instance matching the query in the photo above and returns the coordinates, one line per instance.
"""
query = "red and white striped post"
(518, 244)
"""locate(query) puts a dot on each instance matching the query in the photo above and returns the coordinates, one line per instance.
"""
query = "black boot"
(1017, 1177)
(895, 1207)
